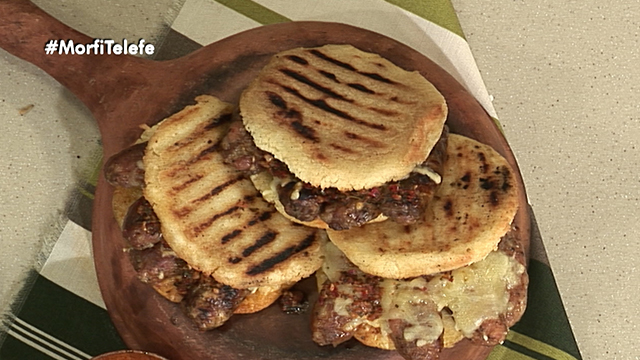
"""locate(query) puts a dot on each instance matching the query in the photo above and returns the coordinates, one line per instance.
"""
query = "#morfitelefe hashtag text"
(99, 47)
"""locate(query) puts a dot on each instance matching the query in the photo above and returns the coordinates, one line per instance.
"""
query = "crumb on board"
(25, 109)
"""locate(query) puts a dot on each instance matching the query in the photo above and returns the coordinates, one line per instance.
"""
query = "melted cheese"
(277, 182)
(477, 292)
(295, 194)
(341, 305)
(405, 300)
(473, 294)
(425, 170)
(451, 335)
(334, 262)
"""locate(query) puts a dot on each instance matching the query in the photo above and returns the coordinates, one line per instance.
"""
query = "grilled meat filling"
(413, 349)
(210, 304)
(205, 301)
(293, 301)
(125, 168)
(342, 306)
(159, 267)
(141, 226)
(402, 201)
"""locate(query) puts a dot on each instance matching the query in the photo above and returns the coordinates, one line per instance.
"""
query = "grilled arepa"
(340, 117)
(471, 210)
(211, 215)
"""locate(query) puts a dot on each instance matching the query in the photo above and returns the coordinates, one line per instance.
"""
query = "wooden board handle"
(25, 29)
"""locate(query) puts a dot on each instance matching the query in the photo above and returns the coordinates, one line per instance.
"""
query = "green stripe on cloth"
(525, 351)
(440, 12)
(538, 346)
(80, 205)
(93, 178)
(86, 192)
(545, 319)
(504, 353)
(57, 321)
(254, 11)
(495, 120)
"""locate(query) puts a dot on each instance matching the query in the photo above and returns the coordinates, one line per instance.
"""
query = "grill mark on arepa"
(305, 80)
(328, 75)
(377, 77)
(350, 67)
(265, 239)
(361, 87)
(184, 113)
(497, 185)
(285, 254)
(505, 172)
(305, 131)
(230, 236)
(180, 213)
(342, 148)
(483, 159)
(182, 143)
(217, 121)
(322, 105)
(331, 76)
(298, 59)
(185, 184)
(384, 111)
(266, 215)
(249, 198)
(322, 56)
(487, 183)
(277, 100)
(448, 208)
(205, 225)
(208, 150)
(179, 169)
(368, 141)
(400, 101)
(218, 189)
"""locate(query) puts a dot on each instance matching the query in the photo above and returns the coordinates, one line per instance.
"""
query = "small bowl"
(129, 355)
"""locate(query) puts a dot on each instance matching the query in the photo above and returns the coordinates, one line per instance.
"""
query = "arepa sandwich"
(458, 273)
(199, 231)
(337, 137)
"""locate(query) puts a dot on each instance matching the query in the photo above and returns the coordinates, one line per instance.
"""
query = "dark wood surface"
(128, 355)
(123, 92)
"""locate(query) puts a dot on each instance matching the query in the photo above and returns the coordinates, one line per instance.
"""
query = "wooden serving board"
(124, 92)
